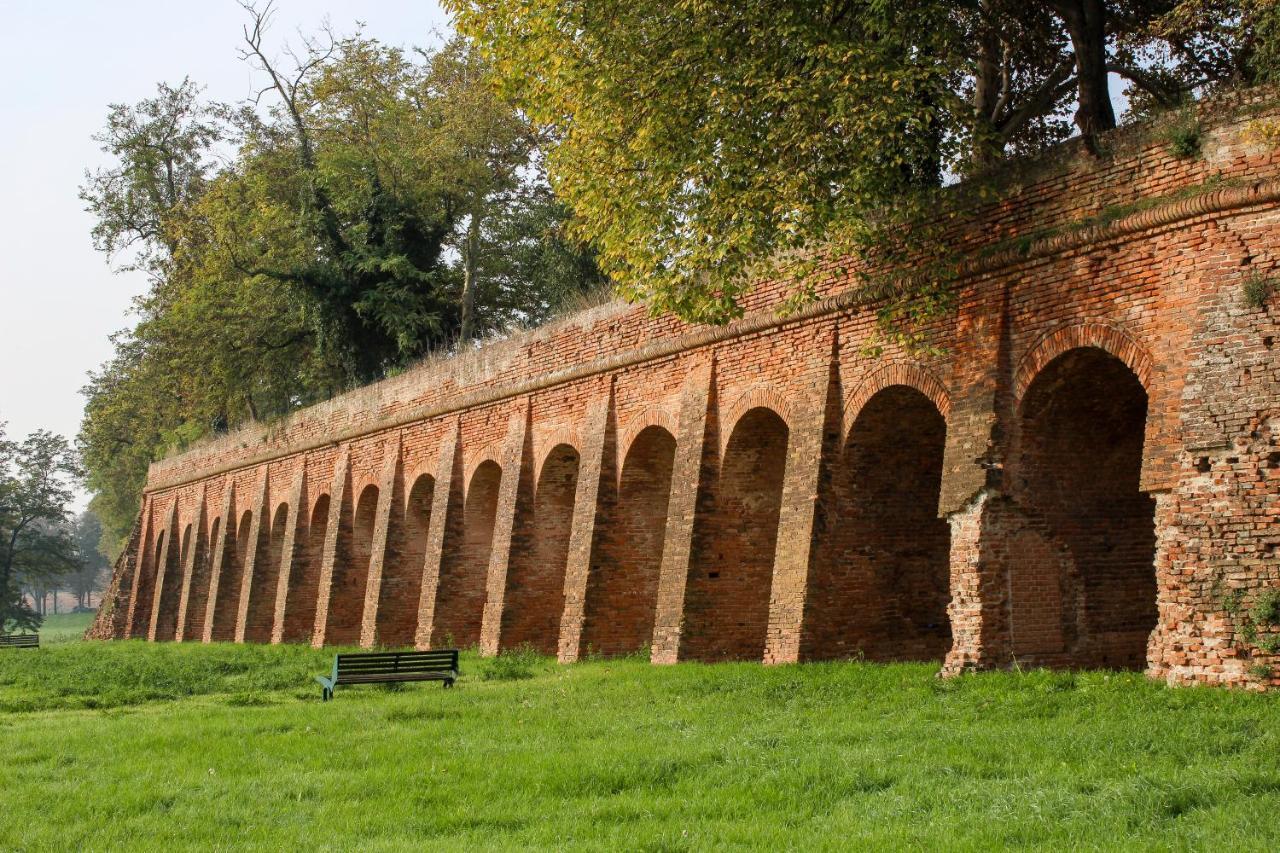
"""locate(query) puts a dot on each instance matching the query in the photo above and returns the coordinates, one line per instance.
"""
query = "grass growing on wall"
(229, 746)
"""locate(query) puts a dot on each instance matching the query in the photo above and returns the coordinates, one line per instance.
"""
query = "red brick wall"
(1085, 475)
(622, 590)
(727, 597)
(881, 585)
(1079, 457)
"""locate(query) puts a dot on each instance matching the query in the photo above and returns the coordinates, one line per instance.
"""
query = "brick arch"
(660, 416)
(1109, 339)
(409, 477)
(897, 373)
(548, 440)
(369, 478)
(322, 495)
(758, 396)
(491, 452)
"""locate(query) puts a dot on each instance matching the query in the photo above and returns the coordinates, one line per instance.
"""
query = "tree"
(318, 241)
(704, 145)
(697, 140)
(89, 576)
(517, 260)
(346, 131)
(35, 545)
(164, 152)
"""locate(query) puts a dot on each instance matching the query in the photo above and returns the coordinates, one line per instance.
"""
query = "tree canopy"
(370, 205)
(705, 144)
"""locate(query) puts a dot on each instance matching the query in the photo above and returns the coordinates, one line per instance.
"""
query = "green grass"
(150, 746)
(65, 628)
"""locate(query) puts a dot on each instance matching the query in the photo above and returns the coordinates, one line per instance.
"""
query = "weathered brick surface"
(1088, 475)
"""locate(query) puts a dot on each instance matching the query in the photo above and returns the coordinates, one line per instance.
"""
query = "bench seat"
(390, 667)
(20, 641)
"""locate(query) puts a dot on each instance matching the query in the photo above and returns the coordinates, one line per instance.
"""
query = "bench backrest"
(21, 641)
(392, 663)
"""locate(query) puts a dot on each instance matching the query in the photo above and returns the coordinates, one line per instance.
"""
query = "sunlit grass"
(230, 746)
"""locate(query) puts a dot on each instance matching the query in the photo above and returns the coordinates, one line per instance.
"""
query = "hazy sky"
(61, 63)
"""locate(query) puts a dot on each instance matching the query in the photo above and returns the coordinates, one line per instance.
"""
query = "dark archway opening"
(304, 575)
(198, 597)
(170, 560)
(727, 597)
(622, 590)
(266, 578)
(1082, 571)
(881, 583)
(149, 567)
(227, 608)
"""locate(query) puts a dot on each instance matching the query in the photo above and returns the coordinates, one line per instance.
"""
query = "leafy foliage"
(706, 146)
(370, 206)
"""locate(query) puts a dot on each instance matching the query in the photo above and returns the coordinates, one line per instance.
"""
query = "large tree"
(36, 477)
(371, 205)
(706, 144)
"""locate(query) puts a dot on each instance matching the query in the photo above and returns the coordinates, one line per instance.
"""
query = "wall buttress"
(163, 562)
(445, 500)
(189, 565)
(596, 463)
(251, 555)
(378, 555)
(219, 556)
(516, 482)
(687, 481)
(139, 564)
(337, 497)
(795, 548)
(288, 551)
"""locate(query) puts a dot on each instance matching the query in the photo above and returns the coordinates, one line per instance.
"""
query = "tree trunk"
(1086, 21)
(986, 93)
(470, 249)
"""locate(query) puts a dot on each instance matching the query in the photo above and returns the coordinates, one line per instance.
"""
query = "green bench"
(387, 667)
(20, 641)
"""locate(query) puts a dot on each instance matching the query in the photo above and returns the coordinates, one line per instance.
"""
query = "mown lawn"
(65, 628)
(130, 745)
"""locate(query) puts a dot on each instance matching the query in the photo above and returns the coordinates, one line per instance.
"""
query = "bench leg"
(448, 682)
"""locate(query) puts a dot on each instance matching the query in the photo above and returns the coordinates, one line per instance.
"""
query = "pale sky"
(61, 63)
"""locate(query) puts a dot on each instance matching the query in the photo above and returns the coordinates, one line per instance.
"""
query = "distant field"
(65, 627)
(161, 746)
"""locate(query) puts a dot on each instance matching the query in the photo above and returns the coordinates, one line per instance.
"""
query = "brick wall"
(1087, 475)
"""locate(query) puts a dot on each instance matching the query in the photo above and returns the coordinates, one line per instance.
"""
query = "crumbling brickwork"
(1088, 474)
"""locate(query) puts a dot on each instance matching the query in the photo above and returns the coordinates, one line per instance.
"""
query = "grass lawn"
(65, 628)
(113, 745)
